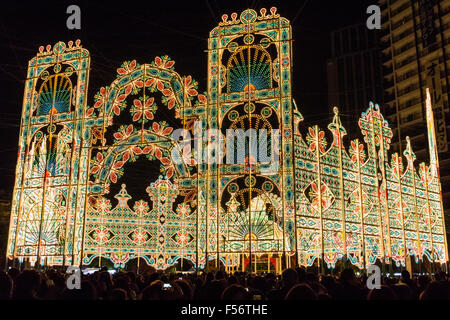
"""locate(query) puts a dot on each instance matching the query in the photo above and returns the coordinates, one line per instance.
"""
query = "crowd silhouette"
(292, 284)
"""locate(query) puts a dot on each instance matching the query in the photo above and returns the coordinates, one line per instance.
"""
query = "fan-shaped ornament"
(55, 95)
(249, 69)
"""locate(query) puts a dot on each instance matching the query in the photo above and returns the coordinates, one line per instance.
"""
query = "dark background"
(114, 32)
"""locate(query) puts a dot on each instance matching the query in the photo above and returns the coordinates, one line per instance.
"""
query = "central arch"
(159, 230)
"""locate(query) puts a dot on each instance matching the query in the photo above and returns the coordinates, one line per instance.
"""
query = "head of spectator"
(270, 276)
(402, 291)
(232, 280)
(122, 281)
(259, 283)
(220, 275)
(186, 290)
(209, 277)
(86, 292)
(422, 282)
(132, 276)
(311, 277)
(151, 277)
(384, 293)
(213, 290)
(57, 278)
(389, 281)
(363, 279)
(235, 292)
(153, 291)
(301, 274)
(405, 276)
(6, 286)
(330, 284)
(441, 276)
(435, 290)
(13, 273)
(289, 278)
(347, 275)
(27, 285)
(328, 281)
(105, 278)
(270, 281)
(301, 291)
(118, 294)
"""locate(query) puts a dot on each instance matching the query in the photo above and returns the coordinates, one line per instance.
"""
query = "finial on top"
(263, 12)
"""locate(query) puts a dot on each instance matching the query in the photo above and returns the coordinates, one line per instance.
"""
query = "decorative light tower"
(46, 216)
(249, 99)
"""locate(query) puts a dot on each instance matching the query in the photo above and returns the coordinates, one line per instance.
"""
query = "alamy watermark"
(74, 280)
(374, 279)
(74, 20)
(253, 148)
(374, 20)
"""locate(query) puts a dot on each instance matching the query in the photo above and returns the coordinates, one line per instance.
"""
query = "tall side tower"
(249, 214)
(46, 218)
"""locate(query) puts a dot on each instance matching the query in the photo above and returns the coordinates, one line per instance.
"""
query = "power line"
(299, 11)
(211, 10)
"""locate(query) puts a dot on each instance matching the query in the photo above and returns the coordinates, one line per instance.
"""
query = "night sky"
(114, 32)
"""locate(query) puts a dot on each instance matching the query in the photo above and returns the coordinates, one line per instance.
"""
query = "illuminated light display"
(315, 201)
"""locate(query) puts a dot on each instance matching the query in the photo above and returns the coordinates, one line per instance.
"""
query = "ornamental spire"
(123, 196)
(434, 165)
(409, 154)
(337, 129)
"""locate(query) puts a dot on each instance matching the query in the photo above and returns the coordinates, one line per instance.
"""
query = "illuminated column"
(48, 184)
(249, 91)
(434, 166)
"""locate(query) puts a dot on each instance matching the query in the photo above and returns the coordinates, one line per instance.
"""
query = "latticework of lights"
(325, 201)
